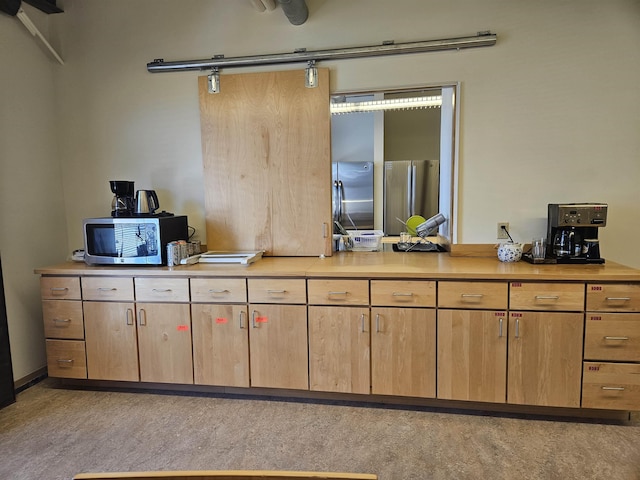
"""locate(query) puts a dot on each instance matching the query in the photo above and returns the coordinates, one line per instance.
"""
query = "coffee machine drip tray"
(527, 257)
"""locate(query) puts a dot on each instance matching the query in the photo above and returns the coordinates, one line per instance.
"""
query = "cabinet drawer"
(614, 386)
(277, 290)
(60, 288)
(617, 297)
(219, 290)
(66, 359)
(338, 292)
(162, 289)
(118, 289)
(62, 319)
(486, 295)
(612, 336)
(546, 296)
(407, 293)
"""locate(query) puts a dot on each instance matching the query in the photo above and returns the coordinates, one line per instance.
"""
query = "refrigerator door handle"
(340, 198)
(336, 207)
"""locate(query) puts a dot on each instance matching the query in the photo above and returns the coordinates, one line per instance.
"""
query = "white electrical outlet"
(502, 233)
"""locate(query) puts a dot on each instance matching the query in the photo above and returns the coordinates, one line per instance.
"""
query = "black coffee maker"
(572, 232)
(123, 202)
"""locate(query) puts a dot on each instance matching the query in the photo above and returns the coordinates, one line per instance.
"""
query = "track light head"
(213, 81)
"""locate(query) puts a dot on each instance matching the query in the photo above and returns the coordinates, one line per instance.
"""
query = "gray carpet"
(54, 433)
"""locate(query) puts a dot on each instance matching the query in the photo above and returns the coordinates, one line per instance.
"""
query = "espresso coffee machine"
(122, 204)
(572, 232)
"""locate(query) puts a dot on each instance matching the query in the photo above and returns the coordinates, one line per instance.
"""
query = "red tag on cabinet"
(183, 328)
(596, 288)
(516, 284)
(221, 320)
(261, 319)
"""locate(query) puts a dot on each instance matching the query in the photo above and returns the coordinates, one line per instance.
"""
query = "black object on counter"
(7, 392)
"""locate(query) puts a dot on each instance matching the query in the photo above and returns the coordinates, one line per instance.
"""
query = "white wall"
(32, 216)
(549, 114)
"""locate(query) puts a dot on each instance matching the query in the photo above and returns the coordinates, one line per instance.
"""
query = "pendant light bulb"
(213, 81)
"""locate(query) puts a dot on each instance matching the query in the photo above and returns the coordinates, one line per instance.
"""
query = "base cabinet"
(472, 355)
(545, 358)
(339, 349)
(403, 351)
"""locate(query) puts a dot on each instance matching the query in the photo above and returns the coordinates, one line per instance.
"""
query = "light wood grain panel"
(108, 288)
(612, 336)
(485, 295)
(219, 290)
(220, 345)
(279, 348)
(338, 292)
(546, 296)
(339, 349)
(162, 289)
(616, 297)
(403, 293)
(267, 163)
(164, 343)
(472, 355)
(63, 319)
(111, 341)
(66, 359)
(277, 290)
(403, 351)
(545, 358)
(60, 288)
(613, 386)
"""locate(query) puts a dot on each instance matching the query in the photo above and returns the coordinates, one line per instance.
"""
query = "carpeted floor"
(53, 433)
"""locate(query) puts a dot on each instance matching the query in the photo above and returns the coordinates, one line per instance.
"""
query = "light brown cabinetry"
(278, 345)
(220, 332)
(63, 326)
(611, 375)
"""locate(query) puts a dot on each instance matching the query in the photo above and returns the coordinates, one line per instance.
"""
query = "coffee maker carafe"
(122, 204)
(572, 232)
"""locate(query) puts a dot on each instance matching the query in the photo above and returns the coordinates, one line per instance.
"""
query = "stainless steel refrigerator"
(352, 200)
(411, 187)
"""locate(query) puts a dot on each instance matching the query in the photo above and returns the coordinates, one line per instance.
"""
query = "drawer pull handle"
(276, 292)
(214, 291)
(618, 389)
(161, 290)
(65, 362)
(402, 294)
(59, 290)
(66, 321)
(338, 293)
(472, 295)
(547, 297)
(618, 299)
(107, 289)
(616, 338)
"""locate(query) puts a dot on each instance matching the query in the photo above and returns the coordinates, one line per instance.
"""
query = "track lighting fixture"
(311, 75)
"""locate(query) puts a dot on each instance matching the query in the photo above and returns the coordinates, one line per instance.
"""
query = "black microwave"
(132, 240)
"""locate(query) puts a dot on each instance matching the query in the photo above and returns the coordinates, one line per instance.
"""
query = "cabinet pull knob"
(615, 338)
(377, 323)
(472, 295)
(59, 290)
(129, 316)
(547, 297)
(214, 291)
(500, 328)
(617, 299)
(241, 318)
(618, 389)
(517, 335)
(66, 321)
(65, 362)
(142, 317)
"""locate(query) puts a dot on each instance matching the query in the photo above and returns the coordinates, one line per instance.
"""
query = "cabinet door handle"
(500, 329)
(142, 317)
(253, 319)
(59, 290)
(619, 389)
(616, 338)
(129, 316)
(241, 318)
(618, 299)
(547, 297)
(377, 322)
(65, 362)
(362, 320)
(517, 334)
(65, 321)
